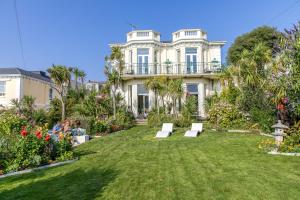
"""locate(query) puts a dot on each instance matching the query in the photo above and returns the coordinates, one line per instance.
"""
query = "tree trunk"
(114, 101)
(76, 84)
(62, 109)
(174, 106)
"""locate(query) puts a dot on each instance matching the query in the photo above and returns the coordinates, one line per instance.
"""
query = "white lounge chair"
(166, 130)
(196, 128)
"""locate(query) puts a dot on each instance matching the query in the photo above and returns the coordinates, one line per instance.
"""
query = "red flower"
(39, 135)
(280, 107)
(47, 138)
(24, 132)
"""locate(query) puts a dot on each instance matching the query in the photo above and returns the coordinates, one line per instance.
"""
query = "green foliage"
(100, 127)
(225, 115)
(265, 118)
(267, 35)
(54, 114)
(40, 117)
(10, 126)
(187, 116)
(124, 119)
(30, 151)
(230, 94)
(156, 119)
(291, 142)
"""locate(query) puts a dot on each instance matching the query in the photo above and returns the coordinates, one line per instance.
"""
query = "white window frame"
(3, 93)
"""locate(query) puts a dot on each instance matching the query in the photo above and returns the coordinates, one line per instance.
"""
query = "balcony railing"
(171, 68)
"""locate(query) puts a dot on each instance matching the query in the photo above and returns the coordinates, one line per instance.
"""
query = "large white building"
(189, 56)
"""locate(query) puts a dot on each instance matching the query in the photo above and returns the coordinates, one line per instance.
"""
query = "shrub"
(32, 149)
(264, 118)
(10, 127)
(225, 115)
(124, 119)
(156, 119)
(291, 142)
(100, 127)
(40, 117)
(230, 94)
(187, 113)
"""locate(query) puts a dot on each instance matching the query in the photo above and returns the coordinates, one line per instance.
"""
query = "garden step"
(141, 122)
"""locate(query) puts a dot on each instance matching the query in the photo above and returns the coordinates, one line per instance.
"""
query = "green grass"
(134, 165)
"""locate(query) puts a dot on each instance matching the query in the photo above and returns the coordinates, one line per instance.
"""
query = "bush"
(40, 117)
(188, 112)
(230, 94)
(10, 126)
(156, 119)
(32, 149)
(29, 146)
(291, 142)
(124, 119)
(225, 115)
(100, 127)
(264, 118)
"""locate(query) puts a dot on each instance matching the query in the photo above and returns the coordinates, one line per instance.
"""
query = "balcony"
(171, 69)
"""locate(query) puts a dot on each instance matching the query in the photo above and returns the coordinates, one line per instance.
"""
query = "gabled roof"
(41, 75)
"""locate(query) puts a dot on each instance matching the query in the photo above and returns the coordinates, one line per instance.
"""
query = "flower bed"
(31, 146)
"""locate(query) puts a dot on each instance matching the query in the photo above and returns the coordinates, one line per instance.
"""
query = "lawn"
(134, 165)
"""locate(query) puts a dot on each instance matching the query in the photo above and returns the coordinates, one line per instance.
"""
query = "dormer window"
(190, 33)
(142, 34)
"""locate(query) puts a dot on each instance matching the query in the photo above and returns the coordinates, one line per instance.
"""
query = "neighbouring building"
(94, 85)
(15, 83)
(189, 56)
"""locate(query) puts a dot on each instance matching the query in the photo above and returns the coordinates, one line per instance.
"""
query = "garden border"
(283, 154)
(37, 169)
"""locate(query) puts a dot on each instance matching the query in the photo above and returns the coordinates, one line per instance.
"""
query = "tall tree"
(154, 85)
(117, 56)
(61, 76)
(113, 80)
(76, 72)
(175, 90)
(82, 76)
(113, 72)
(265, 34)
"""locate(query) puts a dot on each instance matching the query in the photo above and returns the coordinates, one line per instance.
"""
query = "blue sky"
(77, 32)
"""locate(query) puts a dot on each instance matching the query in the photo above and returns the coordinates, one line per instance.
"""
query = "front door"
(143, 105)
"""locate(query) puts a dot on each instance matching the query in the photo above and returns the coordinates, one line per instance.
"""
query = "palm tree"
(82, 76)
(154, 85)
(76, 73)
(117, 56)
(175, 91)
(61, 77)
(163, 90)
(27, 104)
(114, 73)
(113, 80)
(16, 105)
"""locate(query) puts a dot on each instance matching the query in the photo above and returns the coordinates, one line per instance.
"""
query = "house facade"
(189, 55)
(15, 83)
(94, 86)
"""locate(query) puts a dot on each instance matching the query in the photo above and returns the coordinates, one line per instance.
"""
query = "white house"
(189, 56)
(94, 85)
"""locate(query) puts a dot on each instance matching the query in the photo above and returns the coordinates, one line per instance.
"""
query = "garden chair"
(196, 128)
(166, 130)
